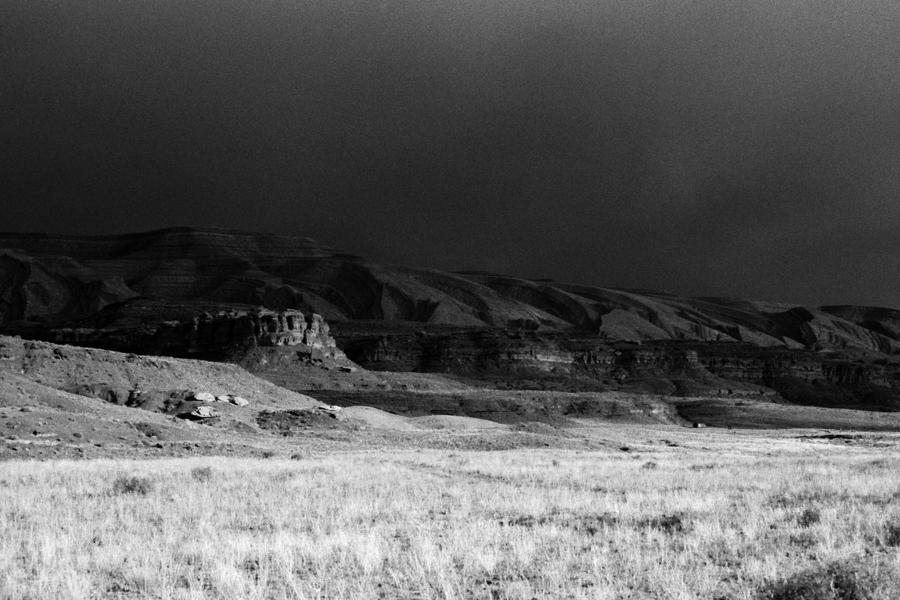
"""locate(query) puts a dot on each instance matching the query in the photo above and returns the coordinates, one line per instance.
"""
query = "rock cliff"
(572, 362)
(188, 330)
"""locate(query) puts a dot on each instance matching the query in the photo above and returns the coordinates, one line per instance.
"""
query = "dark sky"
(707, 147)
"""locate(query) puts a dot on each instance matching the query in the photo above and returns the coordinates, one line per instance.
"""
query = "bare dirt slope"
(68, 401)
(517, 406)
(61, 401)
(755, 414)
(69, 367)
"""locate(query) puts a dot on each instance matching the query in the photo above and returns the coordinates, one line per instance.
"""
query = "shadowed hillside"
(297, 312)
(60, 280)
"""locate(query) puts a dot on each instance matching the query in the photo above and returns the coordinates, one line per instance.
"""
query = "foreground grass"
(711, 524)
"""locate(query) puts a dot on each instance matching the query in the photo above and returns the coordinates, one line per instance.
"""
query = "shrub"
(149, 429)
(808, 517)
(703, 467)
(132, 485)
(665, 523)
(202, 474)
(803, 539)
(892, 533)
(837, 581)
(809, 497)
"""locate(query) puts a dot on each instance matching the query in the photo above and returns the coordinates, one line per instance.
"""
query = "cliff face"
(219, 335)
(671, 367)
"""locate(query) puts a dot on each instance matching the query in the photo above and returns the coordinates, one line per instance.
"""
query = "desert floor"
(644, 512)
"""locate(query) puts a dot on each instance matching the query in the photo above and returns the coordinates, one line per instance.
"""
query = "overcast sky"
(706, 147)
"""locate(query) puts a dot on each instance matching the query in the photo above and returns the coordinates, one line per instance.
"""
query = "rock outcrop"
(575, 363)
(210, 334)
(187, 330)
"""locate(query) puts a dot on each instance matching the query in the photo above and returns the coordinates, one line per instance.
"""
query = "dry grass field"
(714, 516)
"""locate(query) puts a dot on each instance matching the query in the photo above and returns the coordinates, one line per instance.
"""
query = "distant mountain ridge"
(59, 280)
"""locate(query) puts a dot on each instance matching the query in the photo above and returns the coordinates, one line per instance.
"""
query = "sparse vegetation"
(140, 486)
(836, 581)
(892, 533)
(148, 429)
(809, 516)
(665, 523)
(202, 474)
(798, 524)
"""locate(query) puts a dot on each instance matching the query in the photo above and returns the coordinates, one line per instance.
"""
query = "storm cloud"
(707, 147)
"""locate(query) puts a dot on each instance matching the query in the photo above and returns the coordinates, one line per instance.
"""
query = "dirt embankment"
(510, 406)
(73, 369)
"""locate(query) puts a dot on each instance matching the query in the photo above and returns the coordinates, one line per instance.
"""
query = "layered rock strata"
(207, 335)
(713, 366)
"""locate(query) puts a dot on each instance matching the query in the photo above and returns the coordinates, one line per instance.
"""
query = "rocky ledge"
(199, 333)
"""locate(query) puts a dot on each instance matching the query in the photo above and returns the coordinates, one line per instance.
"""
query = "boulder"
(238, 401)
(204, 397)
(204, 412)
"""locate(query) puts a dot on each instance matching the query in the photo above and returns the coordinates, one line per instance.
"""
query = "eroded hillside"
(307, 318)
(61, 280)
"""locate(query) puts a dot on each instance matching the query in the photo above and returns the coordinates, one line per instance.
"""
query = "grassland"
(702, 516)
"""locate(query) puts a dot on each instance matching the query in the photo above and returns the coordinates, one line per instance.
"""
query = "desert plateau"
(215, 414)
